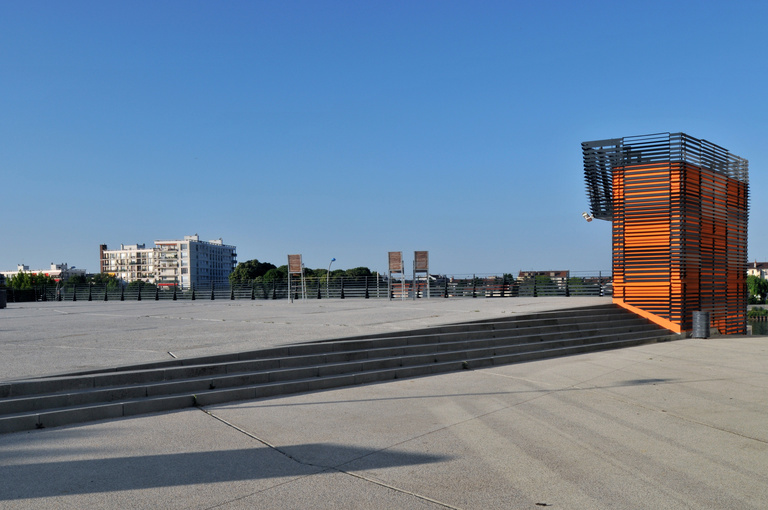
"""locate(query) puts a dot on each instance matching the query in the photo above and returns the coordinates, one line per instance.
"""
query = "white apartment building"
(131, 262)
(181, 263)
(59, 272)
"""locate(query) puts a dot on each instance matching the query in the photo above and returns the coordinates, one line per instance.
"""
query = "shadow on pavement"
(50, 479)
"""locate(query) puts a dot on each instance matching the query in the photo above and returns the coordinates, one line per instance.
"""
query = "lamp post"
(328, 279)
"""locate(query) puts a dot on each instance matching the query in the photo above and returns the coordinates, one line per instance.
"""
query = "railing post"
(213, 288)
(474, 286)
(342, 288)
(366, 288)
(90, 292)
(600, 283)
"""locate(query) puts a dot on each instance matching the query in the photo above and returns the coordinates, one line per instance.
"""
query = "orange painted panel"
(679, 238)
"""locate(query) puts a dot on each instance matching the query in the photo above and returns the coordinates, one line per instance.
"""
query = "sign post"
(420, 265)
(295, 266)
(396, 267)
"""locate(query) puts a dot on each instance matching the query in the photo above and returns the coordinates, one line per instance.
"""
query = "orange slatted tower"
(679, 208)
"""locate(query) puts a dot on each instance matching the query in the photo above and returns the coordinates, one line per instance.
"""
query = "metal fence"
(463, 286)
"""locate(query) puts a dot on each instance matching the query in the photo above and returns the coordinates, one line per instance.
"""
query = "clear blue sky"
(350, 129)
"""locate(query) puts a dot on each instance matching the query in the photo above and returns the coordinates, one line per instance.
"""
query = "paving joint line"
(327, 468)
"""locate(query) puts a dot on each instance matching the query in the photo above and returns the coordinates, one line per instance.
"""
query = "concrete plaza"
(671, 425)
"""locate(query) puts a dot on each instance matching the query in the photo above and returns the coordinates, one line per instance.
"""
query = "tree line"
(25, 281)
(254, 271)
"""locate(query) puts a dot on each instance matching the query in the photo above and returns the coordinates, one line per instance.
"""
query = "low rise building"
(559, 276)
(182, 263)
(59, 272)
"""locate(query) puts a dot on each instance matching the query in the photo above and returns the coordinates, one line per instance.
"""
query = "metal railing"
(462, 286)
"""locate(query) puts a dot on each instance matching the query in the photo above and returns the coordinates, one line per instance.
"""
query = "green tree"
(141, 284)
(576, 285)
(246, 272)
(311, 273)
(276, 273)
(758, 289)
(77, 279)
(357, 272)
(111, 281)
(545, 286)
(24, 280)
(19, 281)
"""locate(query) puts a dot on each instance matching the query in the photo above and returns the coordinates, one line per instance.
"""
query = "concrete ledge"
(128, 377)
(186, 386)
(339, 368)
(336, 381)
(407, 372)
(252, 365)
(382, 364)
(52, 385)
(188, 372)
(228, 381)
(375, 376)
(10, 424)
(223, 396)
(294, 373)
(33, 403)
(80, 414)
(302, 361)
(156, 405)
(284, 388)
(453, 366)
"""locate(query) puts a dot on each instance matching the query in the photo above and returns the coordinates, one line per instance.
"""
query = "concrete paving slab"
(332, 491)
(175, 460)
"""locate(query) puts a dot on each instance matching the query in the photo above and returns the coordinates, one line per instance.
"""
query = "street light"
(328, 279)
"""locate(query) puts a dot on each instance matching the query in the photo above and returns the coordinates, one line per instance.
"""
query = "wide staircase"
(180, 383)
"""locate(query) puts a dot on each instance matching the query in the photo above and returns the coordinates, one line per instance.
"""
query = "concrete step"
(316, 366)
(574, 317)
(198, 378)
(325, 353)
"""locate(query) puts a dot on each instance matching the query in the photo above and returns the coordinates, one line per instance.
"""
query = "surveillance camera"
(587, 216)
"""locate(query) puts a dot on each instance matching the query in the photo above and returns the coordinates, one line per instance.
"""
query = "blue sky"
(348, 129)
